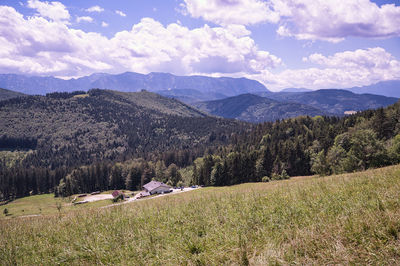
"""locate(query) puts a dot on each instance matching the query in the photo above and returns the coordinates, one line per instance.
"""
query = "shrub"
(120, 197)
(265, 179)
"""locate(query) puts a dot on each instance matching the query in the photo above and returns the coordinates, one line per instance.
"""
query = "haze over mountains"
(390, 88)
(189, 86)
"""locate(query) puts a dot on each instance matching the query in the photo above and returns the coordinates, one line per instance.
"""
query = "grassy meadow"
(45, 204)
(343, 219)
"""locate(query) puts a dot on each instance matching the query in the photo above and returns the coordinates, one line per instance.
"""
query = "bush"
(284, 175)
(265, 179)
(120, 197)
(275, 176)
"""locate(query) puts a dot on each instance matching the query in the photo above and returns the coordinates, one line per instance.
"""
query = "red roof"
(116, 193)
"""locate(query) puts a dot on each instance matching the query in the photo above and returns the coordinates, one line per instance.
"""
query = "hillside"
(390, 88)
(68, 129)
(344, 219)
(191, 96)
(253, 108)
(131, 82)
(335, 101)
(7, 94)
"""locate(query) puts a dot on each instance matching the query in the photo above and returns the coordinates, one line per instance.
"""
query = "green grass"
(45, 204)
(344, 219)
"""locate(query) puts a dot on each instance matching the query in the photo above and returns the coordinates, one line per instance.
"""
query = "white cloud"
(225, 12)
(328, 20)
(85, 19)
(332, 20)
(53, 10)
(38, 46)
(202, 50)
(95, 9)
(104, 24)
(341, 70)
(119, 12)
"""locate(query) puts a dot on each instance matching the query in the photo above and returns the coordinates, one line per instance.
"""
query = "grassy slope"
(352, 218)
(45, 204)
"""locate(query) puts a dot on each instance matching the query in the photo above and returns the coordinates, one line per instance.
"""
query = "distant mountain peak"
(389, 88)
(131, 82)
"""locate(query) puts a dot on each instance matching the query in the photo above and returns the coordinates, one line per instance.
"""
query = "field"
(344, 219)
(45, 204)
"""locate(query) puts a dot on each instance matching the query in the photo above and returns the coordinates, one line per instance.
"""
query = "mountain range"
(333, 101)
(390, 88)
(238, 98)
(189, 86)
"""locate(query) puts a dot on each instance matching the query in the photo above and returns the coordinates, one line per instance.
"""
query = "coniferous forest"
(67, 143)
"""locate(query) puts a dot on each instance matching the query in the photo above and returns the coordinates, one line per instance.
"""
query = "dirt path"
(134, 198)
(91, 198)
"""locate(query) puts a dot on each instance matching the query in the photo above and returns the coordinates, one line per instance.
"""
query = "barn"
(156, 187)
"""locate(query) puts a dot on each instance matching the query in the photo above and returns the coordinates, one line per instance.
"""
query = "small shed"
(116, 193)
(156, 187)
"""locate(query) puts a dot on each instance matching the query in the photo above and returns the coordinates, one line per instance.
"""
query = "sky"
(313, 44)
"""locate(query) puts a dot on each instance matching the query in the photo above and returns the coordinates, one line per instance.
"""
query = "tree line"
(304, 146)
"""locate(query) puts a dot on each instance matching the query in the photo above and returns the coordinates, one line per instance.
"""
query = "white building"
(155, 187)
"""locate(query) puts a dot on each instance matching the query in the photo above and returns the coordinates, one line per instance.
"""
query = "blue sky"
(281, 43)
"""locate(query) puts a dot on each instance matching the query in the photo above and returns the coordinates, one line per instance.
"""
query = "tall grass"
(345, 219)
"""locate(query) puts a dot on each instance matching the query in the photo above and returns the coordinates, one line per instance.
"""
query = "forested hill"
(78, 128)
(7, 94)
(303, 146)
(253, 108)
(82, 142)
(334, 101)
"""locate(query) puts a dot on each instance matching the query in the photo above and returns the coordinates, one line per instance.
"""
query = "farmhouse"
(155, 187)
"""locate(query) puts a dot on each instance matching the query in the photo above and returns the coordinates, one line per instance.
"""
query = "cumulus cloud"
(53, 10)
(84, 18)
(328, 20)
(180, 50)
(119, 12)
(341, 70)
(225, 12)
(333, 20)
(39, 46)
(95, 9)
(104, 24)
